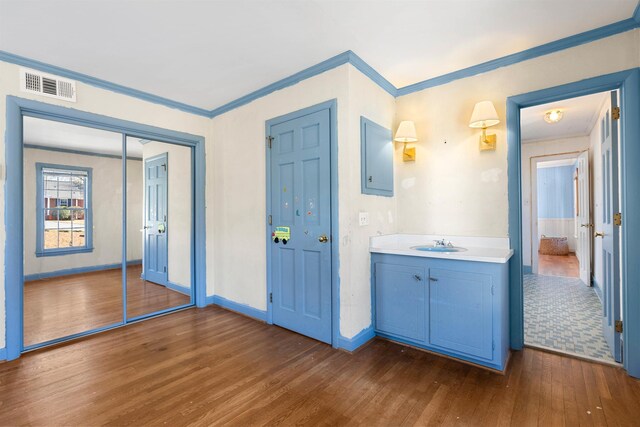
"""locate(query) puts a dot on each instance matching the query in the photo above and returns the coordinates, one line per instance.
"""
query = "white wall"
(179, 206)
(106, 188)
(97, 101)
(455, 189)
(530, 152)
(238, 173)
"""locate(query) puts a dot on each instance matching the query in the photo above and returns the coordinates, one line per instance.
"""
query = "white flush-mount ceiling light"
(553, 116)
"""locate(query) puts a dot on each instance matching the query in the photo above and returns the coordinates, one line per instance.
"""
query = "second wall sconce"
(407, 133)
(485, 115)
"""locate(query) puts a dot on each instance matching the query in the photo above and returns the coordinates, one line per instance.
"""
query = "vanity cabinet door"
(461, 312)
(400, 301)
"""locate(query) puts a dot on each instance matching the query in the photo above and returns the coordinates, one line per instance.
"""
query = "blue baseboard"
(179, 288)
(79, 270)
(3, 354)
(527, 269)
(360, 339)
(235, 306)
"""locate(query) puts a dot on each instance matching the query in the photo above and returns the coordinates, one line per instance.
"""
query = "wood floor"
(214, 367)
(67, 305)
(559, 265)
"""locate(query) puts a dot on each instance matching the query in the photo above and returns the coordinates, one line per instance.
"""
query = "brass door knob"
(323, 239)
(598, 234)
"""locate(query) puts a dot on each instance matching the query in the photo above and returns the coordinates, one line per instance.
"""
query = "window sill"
(64, 251)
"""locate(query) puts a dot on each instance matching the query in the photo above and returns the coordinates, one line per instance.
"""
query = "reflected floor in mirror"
(62, 306)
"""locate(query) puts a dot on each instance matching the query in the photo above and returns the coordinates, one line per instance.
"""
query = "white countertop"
(479, 249)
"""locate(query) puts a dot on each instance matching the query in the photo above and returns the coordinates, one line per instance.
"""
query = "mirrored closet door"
(73, 204)
(159, 227)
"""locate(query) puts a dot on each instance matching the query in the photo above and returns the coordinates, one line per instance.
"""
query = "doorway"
(567, 148)
(302, 222)
(76, 186)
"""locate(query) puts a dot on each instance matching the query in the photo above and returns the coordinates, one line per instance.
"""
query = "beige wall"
(239, 248)
(455, 189)
(106, 186)
(94, 100)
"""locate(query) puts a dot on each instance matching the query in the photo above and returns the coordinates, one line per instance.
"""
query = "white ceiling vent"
(47, 85)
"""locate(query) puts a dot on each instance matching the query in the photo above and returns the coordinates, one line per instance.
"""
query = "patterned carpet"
(564, 314)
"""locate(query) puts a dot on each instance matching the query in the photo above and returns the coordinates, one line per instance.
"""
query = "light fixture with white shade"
(407, 133)
(553, 116)
(485, 115)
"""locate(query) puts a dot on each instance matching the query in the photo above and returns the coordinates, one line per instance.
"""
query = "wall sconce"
(407, 133)
(485, 115)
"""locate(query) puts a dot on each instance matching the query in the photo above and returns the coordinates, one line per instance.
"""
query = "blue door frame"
(628, 82)
(332, 106)
(17, 108)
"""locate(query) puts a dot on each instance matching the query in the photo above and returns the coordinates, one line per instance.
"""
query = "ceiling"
(580, 115)
(52, 134)
(206, 53)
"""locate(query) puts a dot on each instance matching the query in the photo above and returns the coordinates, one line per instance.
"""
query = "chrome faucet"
(442, 243)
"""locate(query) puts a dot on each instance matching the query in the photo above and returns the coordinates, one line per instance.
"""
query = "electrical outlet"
(364, 218)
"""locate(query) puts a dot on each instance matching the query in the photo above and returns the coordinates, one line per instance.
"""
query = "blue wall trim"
(82, 153)
(103, 84)
(237, 307)
(629, 84)
(360, 339)
(3, 354)
(178, 288)
(335, 61)
(77, 270)
(312, 71)
(545, 49)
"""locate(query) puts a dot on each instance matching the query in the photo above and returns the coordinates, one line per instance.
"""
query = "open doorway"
(570, 252)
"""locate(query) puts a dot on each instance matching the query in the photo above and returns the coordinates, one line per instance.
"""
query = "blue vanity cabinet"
(461, 312)
(401, 295)
(458, 308)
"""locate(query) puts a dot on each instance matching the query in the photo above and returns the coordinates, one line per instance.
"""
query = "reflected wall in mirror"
(72, 230)
(159, 195)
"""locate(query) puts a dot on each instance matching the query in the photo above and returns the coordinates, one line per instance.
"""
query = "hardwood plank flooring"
(559, 265)
(215, 367)
(66, 305)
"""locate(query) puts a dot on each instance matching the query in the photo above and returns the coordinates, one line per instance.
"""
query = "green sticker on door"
(281, 234)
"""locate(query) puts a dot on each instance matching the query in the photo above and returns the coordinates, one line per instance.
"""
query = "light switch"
(364, 218)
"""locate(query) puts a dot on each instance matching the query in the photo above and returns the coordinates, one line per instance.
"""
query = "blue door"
(300, 200)
(155, 223)
(610, 233)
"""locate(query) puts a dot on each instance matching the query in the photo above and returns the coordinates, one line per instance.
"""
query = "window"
(63, 210)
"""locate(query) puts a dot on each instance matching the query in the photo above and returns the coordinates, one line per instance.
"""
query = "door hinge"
(270, 296)
(619, 326)
(617, 219)
(270, 220)
(269, 141)
(615, 113)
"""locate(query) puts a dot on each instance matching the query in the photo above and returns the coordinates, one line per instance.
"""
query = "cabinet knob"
(370, 178)
(433, 279)
(418, 278)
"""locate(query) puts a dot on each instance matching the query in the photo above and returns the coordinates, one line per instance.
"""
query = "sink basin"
(444, 249)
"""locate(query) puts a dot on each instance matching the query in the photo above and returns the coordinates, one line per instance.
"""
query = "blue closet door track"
(300, 200)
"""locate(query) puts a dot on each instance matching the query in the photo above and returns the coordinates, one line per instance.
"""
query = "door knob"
(598, 234)
(323, 239)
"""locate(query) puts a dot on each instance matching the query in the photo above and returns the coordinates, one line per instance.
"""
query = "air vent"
(47, 85)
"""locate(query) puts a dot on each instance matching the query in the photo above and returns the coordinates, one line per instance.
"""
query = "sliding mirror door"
(73, 204)
(159, 227)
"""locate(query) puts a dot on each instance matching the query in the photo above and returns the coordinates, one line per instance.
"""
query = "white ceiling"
(209, 52)
(580, 115)
(51, 134)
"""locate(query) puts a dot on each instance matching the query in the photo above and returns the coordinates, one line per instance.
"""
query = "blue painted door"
(461, 312)
(155, 223)
(400, 301)
(300, 200)
(610, 232)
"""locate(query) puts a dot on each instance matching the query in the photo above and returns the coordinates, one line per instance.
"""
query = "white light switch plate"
(364, 218)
